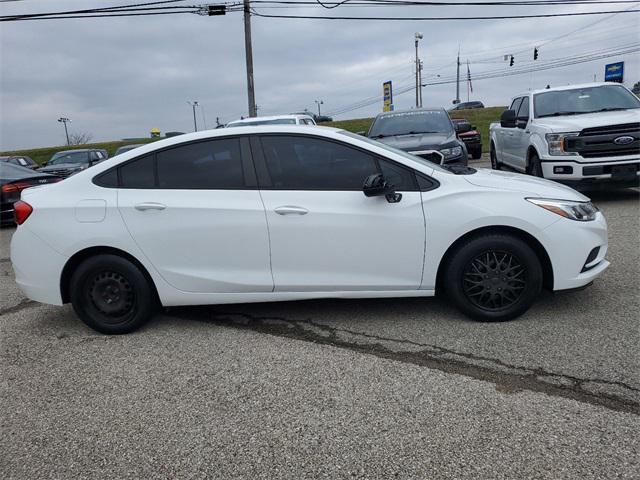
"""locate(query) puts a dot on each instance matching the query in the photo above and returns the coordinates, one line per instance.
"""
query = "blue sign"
(614, 72)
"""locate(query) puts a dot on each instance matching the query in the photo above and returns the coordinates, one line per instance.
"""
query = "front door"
(192, 212)
(325, 234)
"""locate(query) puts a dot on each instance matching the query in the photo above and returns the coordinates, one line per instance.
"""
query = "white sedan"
(259, 214)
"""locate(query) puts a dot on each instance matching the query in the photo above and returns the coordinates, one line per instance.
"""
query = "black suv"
(420, 132)
(68, 162)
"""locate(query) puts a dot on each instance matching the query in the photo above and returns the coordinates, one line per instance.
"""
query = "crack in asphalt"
(21, 305)
(514, 379)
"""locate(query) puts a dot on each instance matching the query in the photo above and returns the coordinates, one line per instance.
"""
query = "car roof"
(566, 87)
(292, 116)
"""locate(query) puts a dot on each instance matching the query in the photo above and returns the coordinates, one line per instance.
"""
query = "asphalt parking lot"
(393, 388)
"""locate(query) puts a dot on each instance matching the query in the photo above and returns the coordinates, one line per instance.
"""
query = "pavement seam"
(21, 305)
(431, 356)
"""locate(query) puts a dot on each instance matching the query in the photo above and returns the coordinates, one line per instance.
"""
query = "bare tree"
(80, 138)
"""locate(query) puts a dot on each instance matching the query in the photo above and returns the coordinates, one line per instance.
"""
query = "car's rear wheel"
(111, 294)
(493, 277)
(495, 165)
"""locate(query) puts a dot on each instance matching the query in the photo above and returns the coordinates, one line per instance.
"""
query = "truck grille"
(608, 141)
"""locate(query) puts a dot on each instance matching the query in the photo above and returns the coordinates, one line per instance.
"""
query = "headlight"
(580, 211)
(556, 142)
(451, 152)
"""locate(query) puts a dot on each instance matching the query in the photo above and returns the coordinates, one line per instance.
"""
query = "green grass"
(480, 117)
(41, 155)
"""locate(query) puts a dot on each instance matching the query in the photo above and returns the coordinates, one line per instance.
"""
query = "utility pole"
(64, 121)
(417, 37)
(420, 81)
(458, 78)
(249, 56)
(319, 102)
(195, 124)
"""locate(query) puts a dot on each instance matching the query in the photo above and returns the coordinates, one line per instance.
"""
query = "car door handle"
(290, 210)
(149, 206)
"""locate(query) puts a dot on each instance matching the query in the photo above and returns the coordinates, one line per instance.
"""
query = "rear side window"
(139, 173)
(211, 165)
(305, 163)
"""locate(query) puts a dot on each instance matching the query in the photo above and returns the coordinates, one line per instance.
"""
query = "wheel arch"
(538, 248)
(531, 151)
(82, 255)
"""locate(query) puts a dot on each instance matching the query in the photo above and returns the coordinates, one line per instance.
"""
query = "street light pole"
(418, 36)
(194, 104)
(319, 102)
(64, 121)
(253, 112)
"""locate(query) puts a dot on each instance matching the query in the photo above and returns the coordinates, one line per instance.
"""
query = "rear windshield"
(9, 171)
(407, 123)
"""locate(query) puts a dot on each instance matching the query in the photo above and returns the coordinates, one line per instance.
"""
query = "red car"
(469, 135)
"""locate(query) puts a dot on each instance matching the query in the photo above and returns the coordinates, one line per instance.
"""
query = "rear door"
(196, 213)
(325, 234)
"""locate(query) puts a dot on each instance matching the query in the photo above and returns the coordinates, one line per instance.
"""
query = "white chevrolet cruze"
(259, 214)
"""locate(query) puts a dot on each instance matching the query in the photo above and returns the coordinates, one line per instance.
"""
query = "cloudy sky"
(119, 77)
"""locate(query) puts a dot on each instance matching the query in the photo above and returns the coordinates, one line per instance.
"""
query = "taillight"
(15, 187)
(21, 211)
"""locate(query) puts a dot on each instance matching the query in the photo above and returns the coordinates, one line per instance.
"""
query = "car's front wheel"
(493, 277)
(111, 294)
(495, 165)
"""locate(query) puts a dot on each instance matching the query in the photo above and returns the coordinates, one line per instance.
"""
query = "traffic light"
(535, 53)
(511, 62)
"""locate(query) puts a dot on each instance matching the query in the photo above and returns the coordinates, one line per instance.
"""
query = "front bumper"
(579, 172)
(569, 244)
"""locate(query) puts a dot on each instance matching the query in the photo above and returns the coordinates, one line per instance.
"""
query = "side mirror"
(473, 127)
(375, 185)
(508, 119)
(456, 126)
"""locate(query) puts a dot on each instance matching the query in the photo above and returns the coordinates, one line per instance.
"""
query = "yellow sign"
(387, 97)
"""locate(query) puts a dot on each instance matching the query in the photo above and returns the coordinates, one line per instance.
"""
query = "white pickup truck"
(582, 135)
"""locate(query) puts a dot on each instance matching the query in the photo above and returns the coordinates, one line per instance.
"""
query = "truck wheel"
(495, 164)
(477, 153)
(535, 167)
(493, 277)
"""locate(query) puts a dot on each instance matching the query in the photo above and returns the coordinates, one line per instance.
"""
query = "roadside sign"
(614, 72)
(387, 97)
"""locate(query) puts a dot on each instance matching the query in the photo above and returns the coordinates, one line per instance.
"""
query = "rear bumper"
(37, 267)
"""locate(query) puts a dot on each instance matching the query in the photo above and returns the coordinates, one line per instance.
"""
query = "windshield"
(583, 100)
(397, 151)
(278, 121)
(69, 157)
(406, 123)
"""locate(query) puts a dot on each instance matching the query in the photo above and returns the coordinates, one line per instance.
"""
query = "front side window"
(523, 111)
(215, 164)
(305, 163)
(583, 100)
(515, 105)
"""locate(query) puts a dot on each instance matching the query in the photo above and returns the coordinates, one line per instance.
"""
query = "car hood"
(533, 186)
(575, 123)
(61, 166)
(422, 141)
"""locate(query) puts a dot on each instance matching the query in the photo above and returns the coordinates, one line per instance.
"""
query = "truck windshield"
(408, 123)
(69, 157)
(583, 100)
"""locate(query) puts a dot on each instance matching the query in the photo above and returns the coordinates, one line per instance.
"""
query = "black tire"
(477, 154)
(501, 291)
(495, 164)
(111, 295)
(535, 167)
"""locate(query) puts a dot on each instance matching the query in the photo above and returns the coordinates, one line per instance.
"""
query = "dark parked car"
(20, 160)
(469, 135)
(126, 148)
(69, 162)
(14, 179)
(420, 132)
(466, 106)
